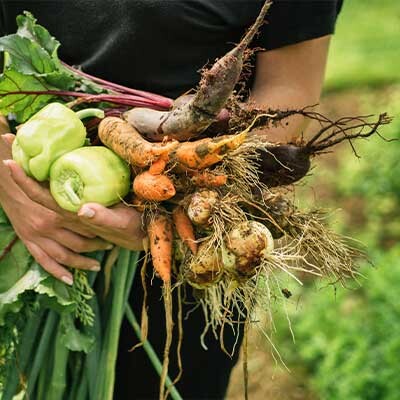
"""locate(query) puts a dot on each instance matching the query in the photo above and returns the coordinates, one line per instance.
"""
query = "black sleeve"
(294, 21)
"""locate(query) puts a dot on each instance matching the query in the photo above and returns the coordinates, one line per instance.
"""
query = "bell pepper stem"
(69, 191)
(90, 112)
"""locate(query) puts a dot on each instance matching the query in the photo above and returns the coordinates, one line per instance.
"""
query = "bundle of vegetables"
(212, 204)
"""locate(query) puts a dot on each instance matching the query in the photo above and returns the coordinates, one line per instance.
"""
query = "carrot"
(216, 86)
(127, 142)
(208, 179)
(153, 187)
(205, 152)
(159, 230)
(184, 228)
(158, 166)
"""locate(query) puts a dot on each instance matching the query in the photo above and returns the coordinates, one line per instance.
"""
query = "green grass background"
(348, 339)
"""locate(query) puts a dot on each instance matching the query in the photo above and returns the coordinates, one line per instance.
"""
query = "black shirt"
(160, 45)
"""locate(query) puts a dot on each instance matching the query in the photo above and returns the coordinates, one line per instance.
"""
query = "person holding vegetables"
(159, 46)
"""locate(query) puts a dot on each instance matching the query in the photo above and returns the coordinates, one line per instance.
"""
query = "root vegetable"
(208, 179)
(206, 268)
(201, 206)
(247, 244)
(216, 86)
(283, 164)
(153, 187)
(287, 163)
(184, 228)
(159, 230)
(206, 152)
(127, 142)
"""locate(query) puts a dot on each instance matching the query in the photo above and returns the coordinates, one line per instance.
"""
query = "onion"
(201, 206)
(246, 245)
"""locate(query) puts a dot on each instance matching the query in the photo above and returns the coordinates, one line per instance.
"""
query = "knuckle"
(82, 246)
(60, 256)
(33, 192)
(39, 224)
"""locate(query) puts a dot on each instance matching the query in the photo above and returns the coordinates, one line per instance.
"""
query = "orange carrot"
(158, 166)
(159, 230)
(153, 187)
(205, 152)
(127, 142)
(184, 228)
(208, 179)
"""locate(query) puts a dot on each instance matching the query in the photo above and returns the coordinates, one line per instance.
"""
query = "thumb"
(101, 216)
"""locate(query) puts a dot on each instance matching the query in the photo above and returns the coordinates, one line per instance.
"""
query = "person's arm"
(287, 78)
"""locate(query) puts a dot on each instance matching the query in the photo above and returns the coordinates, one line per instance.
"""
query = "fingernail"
(86, 212)
(110, 246)
(7, 162)
(95, 268)
(68, 280)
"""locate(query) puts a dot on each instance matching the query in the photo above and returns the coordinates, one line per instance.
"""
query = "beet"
(283, 164)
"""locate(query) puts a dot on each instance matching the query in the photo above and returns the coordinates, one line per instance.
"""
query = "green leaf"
(22, 105)
(26, 56)
(3, 217)
(15, 263)
(74, 339)
(10, 300)
(56, 295)
(28, 28)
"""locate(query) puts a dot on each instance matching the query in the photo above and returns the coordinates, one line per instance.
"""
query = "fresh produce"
(216, 86)
(126, 141)
(247, 244)
(184, 228)
(153, 185)
(50, 133)
(89, 174)
(211, 206)
(201, 206)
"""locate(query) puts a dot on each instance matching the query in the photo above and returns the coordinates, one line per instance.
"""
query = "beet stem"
(8, 248)
(126, 99)
(164, 101)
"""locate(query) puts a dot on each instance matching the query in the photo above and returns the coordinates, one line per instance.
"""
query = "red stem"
(147, 95)
(126, 99)
(8, 248)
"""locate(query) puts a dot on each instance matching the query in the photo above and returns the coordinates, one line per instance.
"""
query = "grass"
(365, 48)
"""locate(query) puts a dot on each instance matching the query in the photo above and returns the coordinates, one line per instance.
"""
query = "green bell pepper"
(89, 174)
(50, 133)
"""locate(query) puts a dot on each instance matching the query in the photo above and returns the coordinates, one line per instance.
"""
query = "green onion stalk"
(122, 281)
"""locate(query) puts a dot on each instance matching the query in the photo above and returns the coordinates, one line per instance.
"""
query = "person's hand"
(120, 225)
(55, 236)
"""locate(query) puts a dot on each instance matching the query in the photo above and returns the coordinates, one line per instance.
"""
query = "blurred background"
(347, 340)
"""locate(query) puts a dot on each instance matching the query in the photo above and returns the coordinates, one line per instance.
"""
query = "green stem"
(41, 351)
(28, 340)
(83, 389)
(92, 360)
(106, 379)
(70, 192)
(90, 112)
(151, 353)
(58, 383)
